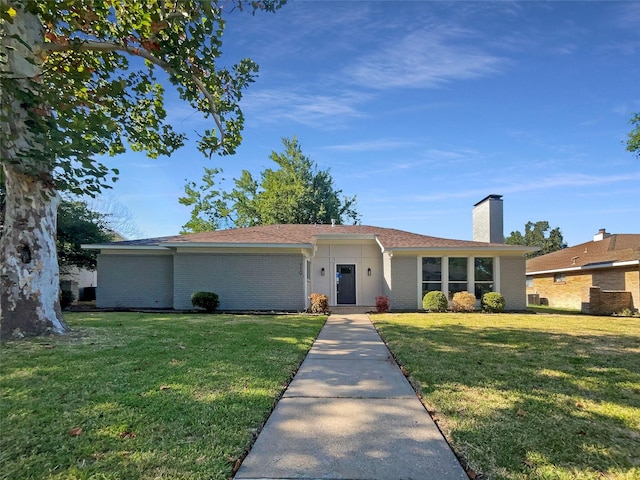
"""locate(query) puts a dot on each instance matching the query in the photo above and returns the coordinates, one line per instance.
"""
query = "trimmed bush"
(435, 302)
(66, 299)
(207, 300)
(319, 303)
(382, 304)
(493, 302)
(463, 302)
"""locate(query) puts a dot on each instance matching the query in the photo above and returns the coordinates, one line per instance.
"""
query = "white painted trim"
(308, 246)
(98, 246)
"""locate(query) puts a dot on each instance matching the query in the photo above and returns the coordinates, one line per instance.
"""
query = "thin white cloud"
(371, 146)
(567, 180)
(424, 59)
(317, 110)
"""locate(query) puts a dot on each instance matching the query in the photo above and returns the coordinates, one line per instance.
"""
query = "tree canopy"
(535, 236)
(296, 192)
(77, 224)
(633, 143)
(79, 80)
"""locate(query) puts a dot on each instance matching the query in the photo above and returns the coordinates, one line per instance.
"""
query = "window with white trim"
(458, 281)
(431, 274)
(482, 275)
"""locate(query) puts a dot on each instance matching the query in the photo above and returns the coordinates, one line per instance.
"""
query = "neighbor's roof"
(609, 252)
(308, 235)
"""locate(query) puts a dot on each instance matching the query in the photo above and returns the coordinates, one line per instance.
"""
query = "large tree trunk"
(29, 301)
(29, 277)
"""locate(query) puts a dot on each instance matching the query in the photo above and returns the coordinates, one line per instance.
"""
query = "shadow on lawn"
(153, 399)
(527, 403)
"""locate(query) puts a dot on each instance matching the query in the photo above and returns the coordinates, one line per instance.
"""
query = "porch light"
(322, 271)
(369, 272)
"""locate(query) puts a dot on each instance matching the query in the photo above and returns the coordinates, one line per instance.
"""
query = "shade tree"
(79, 81)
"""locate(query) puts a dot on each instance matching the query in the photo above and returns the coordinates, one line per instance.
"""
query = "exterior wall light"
(369, 272)
(322, 271)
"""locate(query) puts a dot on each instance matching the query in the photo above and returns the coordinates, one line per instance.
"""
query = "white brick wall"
(404, 283)
(512, 282)
(135, 281)
(243, 282)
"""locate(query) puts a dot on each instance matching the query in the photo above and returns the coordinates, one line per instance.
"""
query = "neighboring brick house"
(599, 277)
(276, 267)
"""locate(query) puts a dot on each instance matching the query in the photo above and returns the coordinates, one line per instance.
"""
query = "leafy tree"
(296, 192)
(78, 80)
(633, 144)
(77, 225)
(534, 236)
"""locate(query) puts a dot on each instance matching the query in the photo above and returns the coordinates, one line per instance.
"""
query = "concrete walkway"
(350, 413)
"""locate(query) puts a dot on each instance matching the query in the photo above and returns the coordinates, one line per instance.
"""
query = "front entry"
(346, 284)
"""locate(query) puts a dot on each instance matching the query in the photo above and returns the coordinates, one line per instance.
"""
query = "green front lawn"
(144, 396)
(525, 396)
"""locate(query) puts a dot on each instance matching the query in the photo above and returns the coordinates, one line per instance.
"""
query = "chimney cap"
(492, 196)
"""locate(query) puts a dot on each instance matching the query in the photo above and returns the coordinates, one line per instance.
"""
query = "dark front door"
(346, 284)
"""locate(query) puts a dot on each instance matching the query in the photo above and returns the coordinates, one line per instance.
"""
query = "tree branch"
(94, 46)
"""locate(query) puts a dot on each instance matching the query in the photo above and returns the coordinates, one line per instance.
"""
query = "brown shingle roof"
(308, 234)
(615, 248)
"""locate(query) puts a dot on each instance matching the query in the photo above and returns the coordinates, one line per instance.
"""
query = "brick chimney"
(601, 235)
(488, 220)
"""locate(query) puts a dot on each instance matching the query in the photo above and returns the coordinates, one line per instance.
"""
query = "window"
(529, 281)
(308, 270)
(457, 275)
(431, 274)
(483, 275)
(559, 277)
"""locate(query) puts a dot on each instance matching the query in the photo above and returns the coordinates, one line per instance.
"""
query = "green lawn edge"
(145, 396)
(522, 396)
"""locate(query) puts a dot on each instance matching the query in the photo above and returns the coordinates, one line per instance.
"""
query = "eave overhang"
(588, 266)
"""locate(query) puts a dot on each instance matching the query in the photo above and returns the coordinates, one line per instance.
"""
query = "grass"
(525, 396)
(144, 396)
(548, 309)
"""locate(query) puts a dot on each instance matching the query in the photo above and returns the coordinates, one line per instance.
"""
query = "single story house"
(601, 276)
(276, 267)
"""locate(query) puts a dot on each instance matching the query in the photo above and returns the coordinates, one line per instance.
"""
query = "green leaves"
(92, 96)
(296, 192)
(534, 236)
(633, 143)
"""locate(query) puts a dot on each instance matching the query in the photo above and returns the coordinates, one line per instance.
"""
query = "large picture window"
(483, 275)
(431, 274)
(458, 274)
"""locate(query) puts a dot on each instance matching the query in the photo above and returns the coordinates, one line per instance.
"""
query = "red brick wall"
(574, 293)
(602, 302)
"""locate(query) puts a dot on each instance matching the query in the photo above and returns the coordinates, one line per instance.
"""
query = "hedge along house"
(276, 267)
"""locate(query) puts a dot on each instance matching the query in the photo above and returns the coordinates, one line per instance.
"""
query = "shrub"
(319, 303)
(207, 300)
(66, 298)
(493, 302)
(382, 304)
(435, 302)
(463, 302)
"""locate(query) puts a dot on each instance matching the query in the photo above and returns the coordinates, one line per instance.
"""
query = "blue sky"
(422, 108)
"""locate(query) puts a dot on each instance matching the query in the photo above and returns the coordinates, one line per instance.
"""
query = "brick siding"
(243, 282)
(574, 292)
(512, 275)
(602, 302)
(404, 283)
(135, 281)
